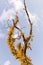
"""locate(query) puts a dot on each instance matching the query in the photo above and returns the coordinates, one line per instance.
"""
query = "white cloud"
(7, 62)
(17, 4)
(2, 35)
(12, 1)
(9, 14)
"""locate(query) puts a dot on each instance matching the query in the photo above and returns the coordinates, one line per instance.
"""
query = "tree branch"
(30, 34)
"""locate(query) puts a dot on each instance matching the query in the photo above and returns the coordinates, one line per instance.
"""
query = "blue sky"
(36, 9)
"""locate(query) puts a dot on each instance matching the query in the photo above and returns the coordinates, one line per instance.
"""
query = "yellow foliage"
(19, 53)
(10, 30)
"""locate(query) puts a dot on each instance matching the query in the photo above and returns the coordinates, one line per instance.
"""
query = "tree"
(20, 52)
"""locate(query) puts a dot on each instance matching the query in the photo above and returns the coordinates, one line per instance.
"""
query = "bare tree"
(20, 52)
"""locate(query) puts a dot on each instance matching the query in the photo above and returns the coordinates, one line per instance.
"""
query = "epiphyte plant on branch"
(20, 52)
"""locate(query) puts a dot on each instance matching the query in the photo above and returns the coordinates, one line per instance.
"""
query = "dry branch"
(21, 52)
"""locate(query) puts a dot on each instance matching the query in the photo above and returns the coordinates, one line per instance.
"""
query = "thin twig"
(30, 34)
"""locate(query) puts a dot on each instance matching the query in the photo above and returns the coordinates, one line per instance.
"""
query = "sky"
(8, 9)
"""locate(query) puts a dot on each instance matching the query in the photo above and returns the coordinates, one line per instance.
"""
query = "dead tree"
(20, 52)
